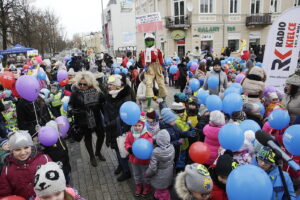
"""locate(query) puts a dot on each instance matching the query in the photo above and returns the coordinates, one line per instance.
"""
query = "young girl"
(18, 176)
(161, 166)
(152, 121)
(139, 166)
(50, 183)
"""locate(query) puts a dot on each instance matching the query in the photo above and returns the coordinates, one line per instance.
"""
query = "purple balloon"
(28, 87)
(63, 125)
(194, 66)
(62, 75)
(268, 89)
(239, 78)
(48, 136)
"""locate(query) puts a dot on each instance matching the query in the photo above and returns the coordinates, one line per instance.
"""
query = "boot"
(89, 148)
(146, 190)
(138, 190)
(118, 170)
(93, 162)
(99, 143)
(101, 157)
(124, 176)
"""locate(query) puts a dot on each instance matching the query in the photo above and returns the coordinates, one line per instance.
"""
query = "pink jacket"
(276, 133)
(128, 144)
(211, 133)
(18, 179)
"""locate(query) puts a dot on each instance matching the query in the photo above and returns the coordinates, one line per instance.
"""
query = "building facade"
(119, 27)
(93, 41)
(212, 24)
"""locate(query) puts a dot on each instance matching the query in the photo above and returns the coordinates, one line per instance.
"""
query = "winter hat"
(168, 116)
(19, 139)
(266, 154)
(151, 113)
(198, 179)
(115, 80)
(142, 119)
(71, 72)
(162, 138)
(217, 118)
(294, 79)
(273, 95)
(251, 108)
(48, 67)
(238, 116)
(49, 179)
(216, 62)
(3, 142)
(149, 35)
(178, 107)
(225, 164)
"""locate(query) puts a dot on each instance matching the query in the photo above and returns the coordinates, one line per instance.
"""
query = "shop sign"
(209, 29)
(182, 41)
(206, 37)
(177, 34)
(230, 28)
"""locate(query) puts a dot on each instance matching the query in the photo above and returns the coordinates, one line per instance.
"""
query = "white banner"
(148, 18)
(282, 48)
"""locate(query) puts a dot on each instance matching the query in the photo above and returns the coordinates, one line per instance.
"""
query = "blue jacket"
(278, 189)
(175, 133)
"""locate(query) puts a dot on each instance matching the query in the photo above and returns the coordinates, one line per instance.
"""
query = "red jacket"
(18, 179)
(124, 62)
(128, 144)
(218, 193)
(176, 75)
(155, 56)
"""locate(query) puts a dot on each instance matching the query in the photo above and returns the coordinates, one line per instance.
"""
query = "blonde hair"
(88, 77)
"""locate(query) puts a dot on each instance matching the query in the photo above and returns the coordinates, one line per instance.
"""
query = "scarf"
(148, 58)
(114, 93)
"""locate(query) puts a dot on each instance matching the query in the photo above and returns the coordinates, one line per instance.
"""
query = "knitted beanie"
(225, 164)
(115, 80)
(217, 118)
(19, 139)
(168, 116)
(49, 179)
(151, 114)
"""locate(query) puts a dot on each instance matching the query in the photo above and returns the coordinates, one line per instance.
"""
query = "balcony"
(178, 22)
(259, 20)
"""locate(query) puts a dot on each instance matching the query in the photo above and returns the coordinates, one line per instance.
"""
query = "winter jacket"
(141, 95)
(222, 82)
(253, 84)
(26, 118)
(18, 179)
(129, 142)
(176, 75)
(292, 105)
(114, 125)
(199, 74)
(85, 107)
(211, 133)
(156, 56)
(161, 164)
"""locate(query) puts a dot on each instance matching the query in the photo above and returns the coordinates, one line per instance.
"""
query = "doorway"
(181, 51)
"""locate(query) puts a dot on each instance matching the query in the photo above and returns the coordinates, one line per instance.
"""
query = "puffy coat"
(211, 133)
(222, 82)
(114, 125)
(253, 84)
(18, 179)
(292, 105)
(129, 142)
(161, 164)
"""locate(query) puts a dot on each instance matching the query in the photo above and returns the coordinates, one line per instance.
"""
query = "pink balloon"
(48, 136)
(63, 125)
(239, 78)
(28, 87)
(39, 59)
(62, 75)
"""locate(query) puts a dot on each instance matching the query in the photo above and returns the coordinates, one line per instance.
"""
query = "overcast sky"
(76, 16)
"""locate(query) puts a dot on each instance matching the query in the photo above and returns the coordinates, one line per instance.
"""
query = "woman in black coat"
(118, 93)
(85, 106)
(183, 74)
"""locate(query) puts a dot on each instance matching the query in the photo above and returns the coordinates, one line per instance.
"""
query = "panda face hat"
(49, 179)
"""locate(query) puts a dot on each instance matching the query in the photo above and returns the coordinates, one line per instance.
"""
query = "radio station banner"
(149, 23)
(282, 48)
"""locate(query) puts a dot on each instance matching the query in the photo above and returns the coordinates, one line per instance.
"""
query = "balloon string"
(61, 144)
(37, 121)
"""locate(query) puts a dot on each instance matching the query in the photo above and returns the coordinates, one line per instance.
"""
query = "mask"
(217, 70)
(149, 43)
(193, 112)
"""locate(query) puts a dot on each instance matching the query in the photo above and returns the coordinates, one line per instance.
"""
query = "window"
(233, 6)
(233, 44)
(274, 6)
(206, 6)
(179, 14)
(297, 2)
(255, 6)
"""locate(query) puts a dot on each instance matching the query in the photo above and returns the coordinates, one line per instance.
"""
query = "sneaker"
(138, 190)
(118, 170)
(124, 176)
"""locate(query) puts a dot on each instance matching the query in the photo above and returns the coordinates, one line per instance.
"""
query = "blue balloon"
(125, 71)
(117, 71)
(190, 74)
(213, 102)
(279, 119)
(249, 182)
(177, 59)
(237, 85)
(202, 95)
(189, 64)
(41, 76)
(114, 65)
(194, 84)
(232, 102)
(231, 90)
(291, 139)
(250, 125)
(223, 62)
(168, 61)
(231, 137)
(131, 60)
(46, 92)
(213, 82)
(173, 69)
(262, 108)
(65, 106)
(130, 112)
(142, 149)
(259, 64)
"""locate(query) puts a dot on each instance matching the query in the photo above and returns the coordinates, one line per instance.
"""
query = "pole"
(103, 30)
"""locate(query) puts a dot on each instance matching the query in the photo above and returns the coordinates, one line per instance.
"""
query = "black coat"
(114, 125)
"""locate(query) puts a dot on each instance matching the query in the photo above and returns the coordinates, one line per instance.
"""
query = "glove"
(191, 133)
(130, 150)
(146, 68)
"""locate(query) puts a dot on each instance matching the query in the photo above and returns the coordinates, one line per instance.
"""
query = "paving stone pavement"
(99, 183)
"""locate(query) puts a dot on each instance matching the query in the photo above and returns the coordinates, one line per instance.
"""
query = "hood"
(257, 71)
(163, 139)
(294, 79)
(180, 187)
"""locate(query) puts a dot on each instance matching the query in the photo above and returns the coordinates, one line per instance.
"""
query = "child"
(50, 183)
(141, 93)
(274, 103)
(10, 114)
(265, 159)
(211, 132)
(252, 111)
(152, 122)
(4, 152)
(139, 166)
(194, 183)
(161, 166)
(56, 95)
(22, 162)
